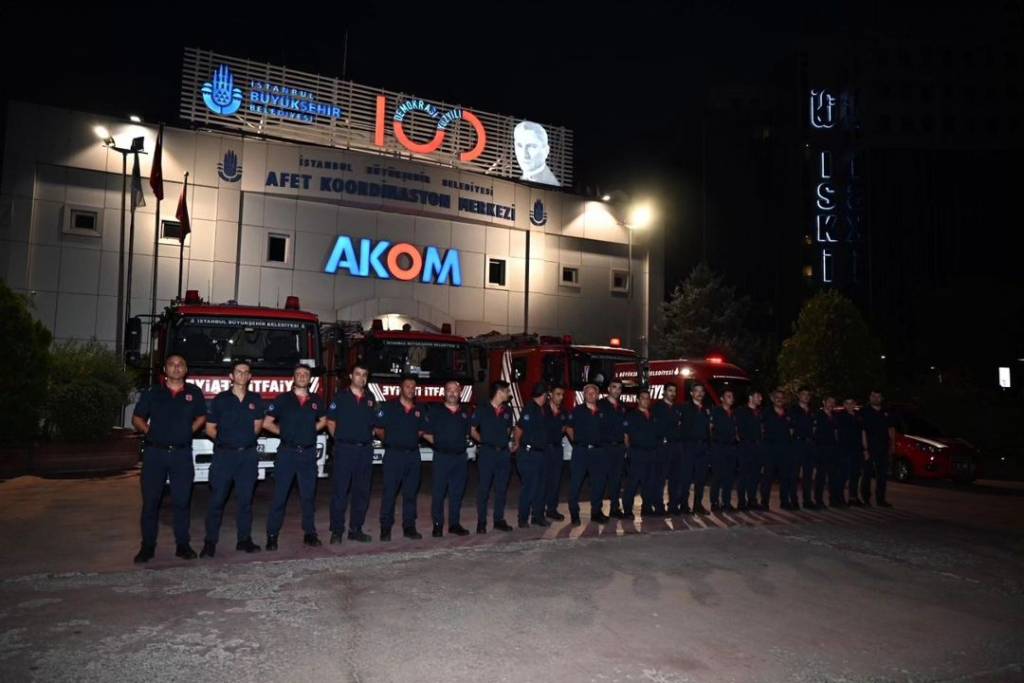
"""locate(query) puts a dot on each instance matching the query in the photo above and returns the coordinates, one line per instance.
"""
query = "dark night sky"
(631, 79)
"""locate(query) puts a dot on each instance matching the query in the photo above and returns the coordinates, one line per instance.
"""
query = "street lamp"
(122, 308)
(640, 215)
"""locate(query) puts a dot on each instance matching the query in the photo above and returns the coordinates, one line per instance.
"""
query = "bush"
(23, 368)
(86, 392)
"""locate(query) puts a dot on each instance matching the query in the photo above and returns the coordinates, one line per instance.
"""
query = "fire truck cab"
(432, 358)
(712, 372)
(212, 336)
(522, 360)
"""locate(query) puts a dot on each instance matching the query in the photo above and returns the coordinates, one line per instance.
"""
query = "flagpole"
(131, 249)
(155, 170)
(181, 250)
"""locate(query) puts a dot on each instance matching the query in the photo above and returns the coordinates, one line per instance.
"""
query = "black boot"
(185, 552)
(209, 549)
(271, 542)
(145, 554)
(246, 545)
(312, 540)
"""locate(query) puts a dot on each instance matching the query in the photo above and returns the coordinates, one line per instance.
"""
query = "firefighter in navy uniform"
(233, 422)
(724, 452)
(350, 420)
(805, 455)
(879, 447)
(588, 457)
(826, 439)
(296, 416)
(400, 423)
(556, 418)
(168, 414)
(447, 431)
(750, 453)
(696, 457)
(491, 427)
(668, 417)
(532, 438)
(613, 440)
(642, 436)
(777, 450)
(851, 447)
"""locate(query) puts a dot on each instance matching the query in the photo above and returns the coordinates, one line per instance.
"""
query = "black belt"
(238, 449)
(355, 443)
(447, 452)
(534, 448)
(402, 449)
(615, 443)
(496, 448)
(588, 446)
(165, 447)
(299, 446)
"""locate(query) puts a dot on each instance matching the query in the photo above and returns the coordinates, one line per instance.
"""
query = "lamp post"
(122, 308)
(639, 216)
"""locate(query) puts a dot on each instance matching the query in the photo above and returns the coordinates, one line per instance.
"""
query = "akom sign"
(401, 261)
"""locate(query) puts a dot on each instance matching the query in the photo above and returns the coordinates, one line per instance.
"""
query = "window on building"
(277, 248)
(570, 276)
(496, 272)
(620, 280)
(80, 220)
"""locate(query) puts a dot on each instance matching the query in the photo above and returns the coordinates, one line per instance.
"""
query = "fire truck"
(432, 358)
(713, 372)
(522, 360)
(212, 336)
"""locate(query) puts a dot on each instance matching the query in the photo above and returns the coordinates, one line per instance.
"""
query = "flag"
(138, 199)
(156, 175)
(182, 213)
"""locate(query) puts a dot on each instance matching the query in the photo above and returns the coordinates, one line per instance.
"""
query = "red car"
(924, 452)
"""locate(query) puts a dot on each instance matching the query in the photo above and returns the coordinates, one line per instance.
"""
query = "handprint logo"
(229, 170)
(221, 96)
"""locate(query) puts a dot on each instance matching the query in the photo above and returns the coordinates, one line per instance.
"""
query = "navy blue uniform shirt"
(494, 425)
(450, 428)
(825, 427)
(235, 419)
(669, 419)
(586, 425)
(850, 431)
(724, 426)
(170, 414)
(776, 426)
(534, 423)
(555, 422)
(612, 430)
(748, 422)
(355, 417)
(696, 422)
(402, 425)
(297, 419)
(642, 429)
(802, 422)
(876, 426)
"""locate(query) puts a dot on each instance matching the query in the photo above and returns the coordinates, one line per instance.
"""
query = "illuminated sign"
(274, 99)
(263, 99)
(401, 261)
(823, 106)
(444, 122)
(1004, 378)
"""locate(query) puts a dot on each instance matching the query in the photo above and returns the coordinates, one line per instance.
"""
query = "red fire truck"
(712, 372)
(212, 336)
(431, 357)
(522, 360)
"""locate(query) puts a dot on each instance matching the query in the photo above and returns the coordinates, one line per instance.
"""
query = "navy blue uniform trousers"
(352, 473)
(450, 472)
(495, 470)
(290, 464)
(159, 466)
(401, 469)
(241, 469)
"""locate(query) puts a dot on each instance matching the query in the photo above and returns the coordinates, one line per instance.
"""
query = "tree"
(23, 368)
(832, 350)
(705, 316)
(87, 390)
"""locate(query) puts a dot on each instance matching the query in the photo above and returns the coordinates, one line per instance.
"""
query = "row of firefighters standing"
(622, 453)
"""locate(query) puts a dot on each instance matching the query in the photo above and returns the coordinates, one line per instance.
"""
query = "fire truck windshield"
(596, 368)
(740, 387)
(424, 359)
(207, 341)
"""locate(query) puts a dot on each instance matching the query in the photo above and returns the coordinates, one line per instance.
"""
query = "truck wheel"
(904, 472)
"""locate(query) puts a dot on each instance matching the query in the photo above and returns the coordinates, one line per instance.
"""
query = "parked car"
(923, 451)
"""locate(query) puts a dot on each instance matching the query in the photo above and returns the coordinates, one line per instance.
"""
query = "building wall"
(54, 164)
